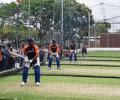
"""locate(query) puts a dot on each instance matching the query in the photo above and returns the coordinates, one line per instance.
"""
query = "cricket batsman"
(31, 53)
(54, 52)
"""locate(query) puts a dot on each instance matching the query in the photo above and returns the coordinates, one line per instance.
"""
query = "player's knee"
(25, 69)
(37, 69)
(50, 60)
(57, 60)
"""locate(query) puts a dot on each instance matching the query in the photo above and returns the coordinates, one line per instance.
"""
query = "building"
(111, 40)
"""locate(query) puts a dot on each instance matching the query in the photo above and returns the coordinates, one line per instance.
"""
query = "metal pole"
(62, 30)
(108, 39)
(96, 40)
(17, 28)
(2, 20)
(89, 29)
(53, 23)
(29, 19)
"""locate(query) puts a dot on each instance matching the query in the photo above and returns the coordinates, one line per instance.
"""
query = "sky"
(96, 8)
(108, 11)
(6, 1)
(98, 11)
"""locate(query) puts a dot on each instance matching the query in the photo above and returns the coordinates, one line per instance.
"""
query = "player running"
(53, 51)
(31, 53)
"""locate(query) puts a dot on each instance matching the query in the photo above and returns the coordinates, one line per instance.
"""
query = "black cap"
(30, 40)
(53, 41)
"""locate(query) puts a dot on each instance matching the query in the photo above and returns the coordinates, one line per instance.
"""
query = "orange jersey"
(60, 49)
(54, 48)
(31, 51)
(1, 56)
(22, 50)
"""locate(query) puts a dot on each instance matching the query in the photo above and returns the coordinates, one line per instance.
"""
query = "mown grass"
(28, 96)
(25, 95)
(73, 70)
(83, 71)
(61, 79)
(107, 54)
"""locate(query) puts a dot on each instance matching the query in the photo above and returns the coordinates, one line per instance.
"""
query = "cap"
(53, 41)
(30, 40)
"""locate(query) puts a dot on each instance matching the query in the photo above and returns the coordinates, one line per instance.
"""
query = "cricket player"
(73, 51)
(54, 52)
(1, 54)
(31, 53)
(84, 50)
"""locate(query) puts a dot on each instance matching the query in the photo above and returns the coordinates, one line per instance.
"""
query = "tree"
(76, 19)
(7, 11)
(45, 14)
(102, 27)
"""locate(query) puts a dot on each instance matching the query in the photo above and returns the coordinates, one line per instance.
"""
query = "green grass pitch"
(67, 87)
(72, 82)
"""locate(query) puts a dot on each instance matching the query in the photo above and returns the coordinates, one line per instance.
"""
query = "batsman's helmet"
(53, 41)
(30, 40)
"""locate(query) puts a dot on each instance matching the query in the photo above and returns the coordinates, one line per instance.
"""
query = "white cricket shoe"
(38, 83)
(49, 68)
(23, 83)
